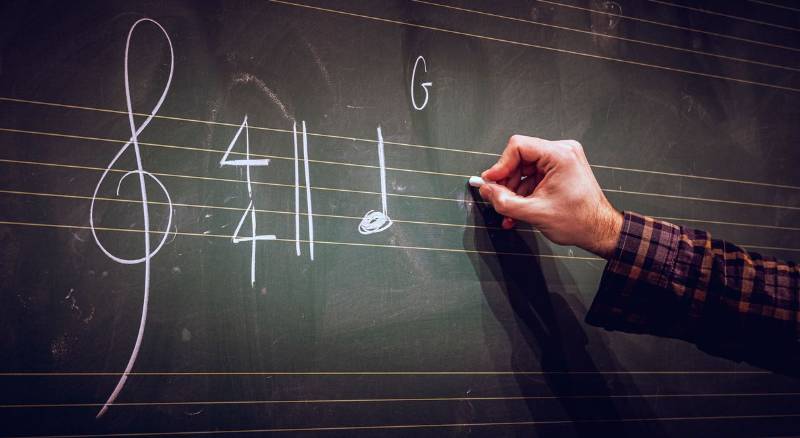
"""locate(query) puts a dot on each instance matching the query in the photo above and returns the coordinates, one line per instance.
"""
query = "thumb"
(504, 201)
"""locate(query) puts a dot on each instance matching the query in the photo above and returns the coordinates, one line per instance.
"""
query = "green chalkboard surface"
(252, 216)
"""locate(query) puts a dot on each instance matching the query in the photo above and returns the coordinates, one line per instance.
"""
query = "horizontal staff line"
(627, 192)
(672, 26)
(321, 242)
(375, 245)
(257, 210)
(605, 35)
(774, 5)
(598, 166)
(234, 125)
(773, 248)
(412, 196)
(207, 178)
(215, 151)
(338, 216)
(369, 373)
(537, 46)
(707, 178)
(397, 400)
(737, 224)
(427, 426)
(700, 199)
(721, 14)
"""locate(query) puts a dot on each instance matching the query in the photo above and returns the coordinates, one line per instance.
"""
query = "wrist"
(608, 232)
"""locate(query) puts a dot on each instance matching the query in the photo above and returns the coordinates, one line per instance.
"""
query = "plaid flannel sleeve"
(675, 281)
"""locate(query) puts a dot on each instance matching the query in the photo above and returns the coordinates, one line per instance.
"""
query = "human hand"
(550, 185)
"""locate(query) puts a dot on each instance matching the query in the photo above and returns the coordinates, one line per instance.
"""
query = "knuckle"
(570, 150)
(516, 140)
(572, 145)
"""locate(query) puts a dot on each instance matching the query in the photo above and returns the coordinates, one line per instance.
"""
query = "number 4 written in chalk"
(250, 210)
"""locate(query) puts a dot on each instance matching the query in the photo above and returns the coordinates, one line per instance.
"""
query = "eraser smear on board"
(476, 181)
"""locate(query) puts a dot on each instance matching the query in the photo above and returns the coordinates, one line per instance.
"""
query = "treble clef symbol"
(148, 253)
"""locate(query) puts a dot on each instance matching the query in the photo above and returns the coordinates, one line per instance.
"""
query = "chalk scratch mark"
(247, 78)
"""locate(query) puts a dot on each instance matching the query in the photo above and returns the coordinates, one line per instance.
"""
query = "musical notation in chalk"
(309, 213)
(296, 194)
(377, 221)
(424, 85)
(437, 226)
(148, 253)
(250, 210)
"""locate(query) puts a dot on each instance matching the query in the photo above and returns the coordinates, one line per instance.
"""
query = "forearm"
(678, 282)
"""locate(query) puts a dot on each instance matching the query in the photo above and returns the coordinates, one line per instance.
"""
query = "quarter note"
(377, 221)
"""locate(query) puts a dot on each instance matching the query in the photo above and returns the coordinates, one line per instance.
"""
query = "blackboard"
(437, 323)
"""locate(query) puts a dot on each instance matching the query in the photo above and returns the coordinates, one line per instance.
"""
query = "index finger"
(520, 149)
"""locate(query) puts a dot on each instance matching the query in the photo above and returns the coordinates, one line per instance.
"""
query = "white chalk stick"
(476, 181)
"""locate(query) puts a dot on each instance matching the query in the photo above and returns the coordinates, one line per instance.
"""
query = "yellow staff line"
(538, 46)
(597, 166)
(430, 198)
(773, 248)
(774, 5)
(395, 400)
(421, 248)
(605, 35)
(721, 14)
(207, 178)
(338, 216)
(257, 210)
(369, 373)
(672, 26)
(699, 199)
(234, 125)
(706, 178)
(424, 426)
(433, 198)
(737, 224)
(320, 242)
(215, 151)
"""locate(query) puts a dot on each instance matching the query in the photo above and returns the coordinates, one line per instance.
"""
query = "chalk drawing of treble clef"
(148, 253)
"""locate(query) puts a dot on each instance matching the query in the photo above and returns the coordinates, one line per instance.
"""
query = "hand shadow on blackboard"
(544, 327)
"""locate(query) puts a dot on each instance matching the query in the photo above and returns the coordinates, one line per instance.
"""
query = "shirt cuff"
(635, 283)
